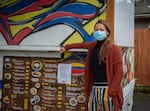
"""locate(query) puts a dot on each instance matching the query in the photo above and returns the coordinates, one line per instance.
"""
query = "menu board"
(43, 84)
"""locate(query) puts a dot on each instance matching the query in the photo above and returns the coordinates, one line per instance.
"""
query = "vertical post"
(110, 15)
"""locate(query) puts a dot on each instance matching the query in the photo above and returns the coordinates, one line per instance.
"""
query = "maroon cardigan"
(114, 71)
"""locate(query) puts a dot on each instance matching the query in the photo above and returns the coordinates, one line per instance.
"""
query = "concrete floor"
(141, 102)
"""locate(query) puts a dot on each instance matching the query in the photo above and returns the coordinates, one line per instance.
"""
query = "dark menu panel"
(43, 84)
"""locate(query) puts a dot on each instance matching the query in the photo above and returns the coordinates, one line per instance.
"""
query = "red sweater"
(114, 71)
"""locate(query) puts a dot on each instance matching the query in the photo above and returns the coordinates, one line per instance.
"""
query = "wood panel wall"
(110, 15)
(142, 56)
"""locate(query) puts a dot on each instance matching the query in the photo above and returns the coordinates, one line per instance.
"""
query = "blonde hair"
(106, 45)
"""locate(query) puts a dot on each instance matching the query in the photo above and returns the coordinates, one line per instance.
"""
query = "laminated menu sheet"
(43, 84)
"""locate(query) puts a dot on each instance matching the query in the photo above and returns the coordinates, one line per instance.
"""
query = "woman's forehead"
(99, 25)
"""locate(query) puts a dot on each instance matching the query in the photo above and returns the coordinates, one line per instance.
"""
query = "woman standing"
(103, 71)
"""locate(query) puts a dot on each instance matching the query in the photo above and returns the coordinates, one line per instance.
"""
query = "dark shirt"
(98, 70)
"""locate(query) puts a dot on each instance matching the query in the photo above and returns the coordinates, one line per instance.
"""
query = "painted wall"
(48, 22)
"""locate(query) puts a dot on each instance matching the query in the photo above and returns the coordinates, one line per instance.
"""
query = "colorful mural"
(22, 18)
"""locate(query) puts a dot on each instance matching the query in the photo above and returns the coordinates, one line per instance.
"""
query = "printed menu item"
(36, 65)
(64, 73)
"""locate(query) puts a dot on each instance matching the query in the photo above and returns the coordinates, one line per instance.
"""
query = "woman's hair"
(106, 45)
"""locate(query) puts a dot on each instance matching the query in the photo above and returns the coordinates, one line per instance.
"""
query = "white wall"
(124, 23)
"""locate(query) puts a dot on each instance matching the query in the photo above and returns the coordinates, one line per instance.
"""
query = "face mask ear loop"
(107, 34)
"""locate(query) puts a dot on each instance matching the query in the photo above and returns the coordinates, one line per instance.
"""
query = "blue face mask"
(99, 35)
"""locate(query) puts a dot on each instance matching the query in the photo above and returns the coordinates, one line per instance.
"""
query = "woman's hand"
(62, 50)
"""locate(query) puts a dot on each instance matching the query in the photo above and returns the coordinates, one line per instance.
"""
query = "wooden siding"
(142, 56)
(110, 16)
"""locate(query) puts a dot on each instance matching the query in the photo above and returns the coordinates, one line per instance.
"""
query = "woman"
(103, 71)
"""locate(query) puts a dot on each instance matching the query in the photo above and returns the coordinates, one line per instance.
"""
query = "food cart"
(31, 33)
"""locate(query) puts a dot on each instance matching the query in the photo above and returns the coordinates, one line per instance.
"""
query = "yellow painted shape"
(5, 3)
(16, 28)
(27, 16)
(67, 54)
(75, 38)
(77, 64)
(103, 16)
(90, 26)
